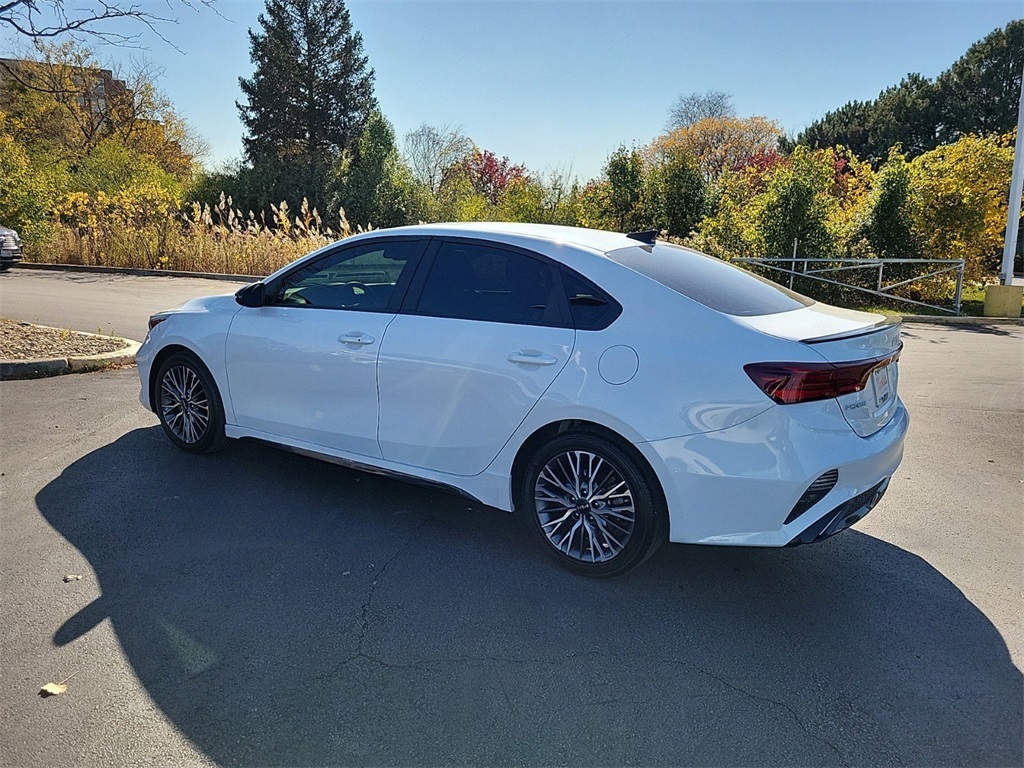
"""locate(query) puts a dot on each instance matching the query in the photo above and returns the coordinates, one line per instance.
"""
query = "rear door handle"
(355, 337)
(531, 358)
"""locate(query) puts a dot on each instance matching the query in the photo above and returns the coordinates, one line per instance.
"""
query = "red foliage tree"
(490, 175)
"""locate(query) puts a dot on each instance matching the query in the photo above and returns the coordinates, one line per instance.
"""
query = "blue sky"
(558, 85)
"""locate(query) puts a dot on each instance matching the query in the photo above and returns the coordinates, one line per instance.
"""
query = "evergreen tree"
(888, 227)
(979, 93)
(309, 97)
(375, 185)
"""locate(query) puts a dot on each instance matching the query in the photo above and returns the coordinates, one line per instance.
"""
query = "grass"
(972, 304)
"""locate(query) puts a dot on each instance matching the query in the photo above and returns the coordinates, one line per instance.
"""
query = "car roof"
(596, 240)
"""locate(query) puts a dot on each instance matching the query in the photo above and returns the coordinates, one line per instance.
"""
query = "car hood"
(207, 304)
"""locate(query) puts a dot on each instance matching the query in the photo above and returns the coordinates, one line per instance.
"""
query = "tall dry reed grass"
(217, 238)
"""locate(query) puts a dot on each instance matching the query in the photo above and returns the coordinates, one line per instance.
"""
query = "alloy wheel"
(585, 506)
(184, 404)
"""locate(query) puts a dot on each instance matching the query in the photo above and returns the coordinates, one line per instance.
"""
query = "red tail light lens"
(788, 383)
(155, 320)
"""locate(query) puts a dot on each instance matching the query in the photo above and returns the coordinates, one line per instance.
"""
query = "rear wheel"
(188, 404)
(592, 505)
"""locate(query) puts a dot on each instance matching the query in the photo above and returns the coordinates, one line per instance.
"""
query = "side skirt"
(369, 468)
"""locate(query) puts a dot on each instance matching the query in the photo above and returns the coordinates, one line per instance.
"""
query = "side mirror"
(254, 295)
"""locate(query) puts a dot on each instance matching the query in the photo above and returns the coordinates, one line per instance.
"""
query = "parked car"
(10, 248)
(617, 390)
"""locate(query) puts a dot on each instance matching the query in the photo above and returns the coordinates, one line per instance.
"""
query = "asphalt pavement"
(118, 305)
(254, 607)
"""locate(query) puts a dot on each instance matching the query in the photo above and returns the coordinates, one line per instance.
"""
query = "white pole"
(1013, 212)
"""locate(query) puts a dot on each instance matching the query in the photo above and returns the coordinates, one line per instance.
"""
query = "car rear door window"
(482, 282)
(710, 281)
(369, 277)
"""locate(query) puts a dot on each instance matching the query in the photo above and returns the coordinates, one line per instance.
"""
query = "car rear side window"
(482, 282)
(592, 309)
(710, 281)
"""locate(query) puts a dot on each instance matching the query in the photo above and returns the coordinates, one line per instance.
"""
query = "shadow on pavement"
(281, 610)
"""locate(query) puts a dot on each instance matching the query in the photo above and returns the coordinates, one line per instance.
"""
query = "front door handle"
(531, 358)
(356, 337)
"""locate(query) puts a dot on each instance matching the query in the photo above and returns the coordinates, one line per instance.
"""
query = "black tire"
(5, 265)
(606, 543)
(180, 372)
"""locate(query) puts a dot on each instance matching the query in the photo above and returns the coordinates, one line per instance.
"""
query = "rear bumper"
(737, 486)
(842, 517)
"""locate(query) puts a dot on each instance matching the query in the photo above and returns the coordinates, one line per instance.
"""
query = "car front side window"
(368, 278)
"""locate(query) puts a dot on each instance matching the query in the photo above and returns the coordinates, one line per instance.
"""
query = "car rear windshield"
(710, 281)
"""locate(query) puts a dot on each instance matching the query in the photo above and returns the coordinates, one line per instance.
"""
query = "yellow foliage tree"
(959, 201)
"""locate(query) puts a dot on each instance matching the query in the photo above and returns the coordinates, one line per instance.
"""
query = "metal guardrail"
(813, 270)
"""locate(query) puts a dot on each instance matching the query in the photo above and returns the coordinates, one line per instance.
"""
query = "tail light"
(155, 320)
(788, 383)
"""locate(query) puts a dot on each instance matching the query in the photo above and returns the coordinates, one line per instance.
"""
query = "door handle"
(531, 358)
(355, 337)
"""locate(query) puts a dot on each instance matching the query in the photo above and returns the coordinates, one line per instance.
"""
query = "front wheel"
(188, 405)
(592, 505)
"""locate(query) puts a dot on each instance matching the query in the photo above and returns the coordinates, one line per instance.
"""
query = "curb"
(137, 272)
(12, 370)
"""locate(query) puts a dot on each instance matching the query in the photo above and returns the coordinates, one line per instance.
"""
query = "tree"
(25, 196)
(311, 93)
(888, 227)
(673, 194)
(720, 143)
(625, 173)
(490, 175)
(906, 115)
(980, 92)
(431, 151)
(846, 126)
(959, 201)
(48, 19)
(794, 207)
(63, 104)
(691, 108)
(375, 186)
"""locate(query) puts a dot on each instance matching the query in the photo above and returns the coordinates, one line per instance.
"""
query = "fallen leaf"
(55, 689)
(72, 577)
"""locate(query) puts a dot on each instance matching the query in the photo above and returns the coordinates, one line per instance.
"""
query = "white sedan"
(617, 390)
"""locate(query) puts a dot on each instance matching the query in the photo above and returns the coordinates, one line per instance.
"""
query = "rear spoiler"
(887, 323)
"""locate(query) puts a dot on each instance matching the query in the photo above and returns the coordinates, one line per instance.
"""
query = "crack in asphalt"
(364, 614)
(365, 609)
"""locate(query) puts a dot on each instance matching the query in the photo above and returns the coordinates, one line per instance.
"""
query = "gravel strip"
(24, 341)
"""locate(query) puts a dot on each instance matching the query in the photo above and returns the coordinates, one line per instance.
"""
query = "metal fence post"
(959, 287)
(792, 267)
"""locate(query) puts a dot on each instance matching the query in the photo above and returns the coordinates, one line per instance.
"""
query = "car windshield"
(710, 281)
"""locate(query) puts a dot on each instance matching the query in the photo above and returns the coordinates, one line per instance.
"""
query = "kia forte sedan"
(616, 390)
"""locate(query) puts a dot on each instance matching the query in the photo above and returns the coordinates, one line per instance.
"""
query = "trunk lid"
(846, 336)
